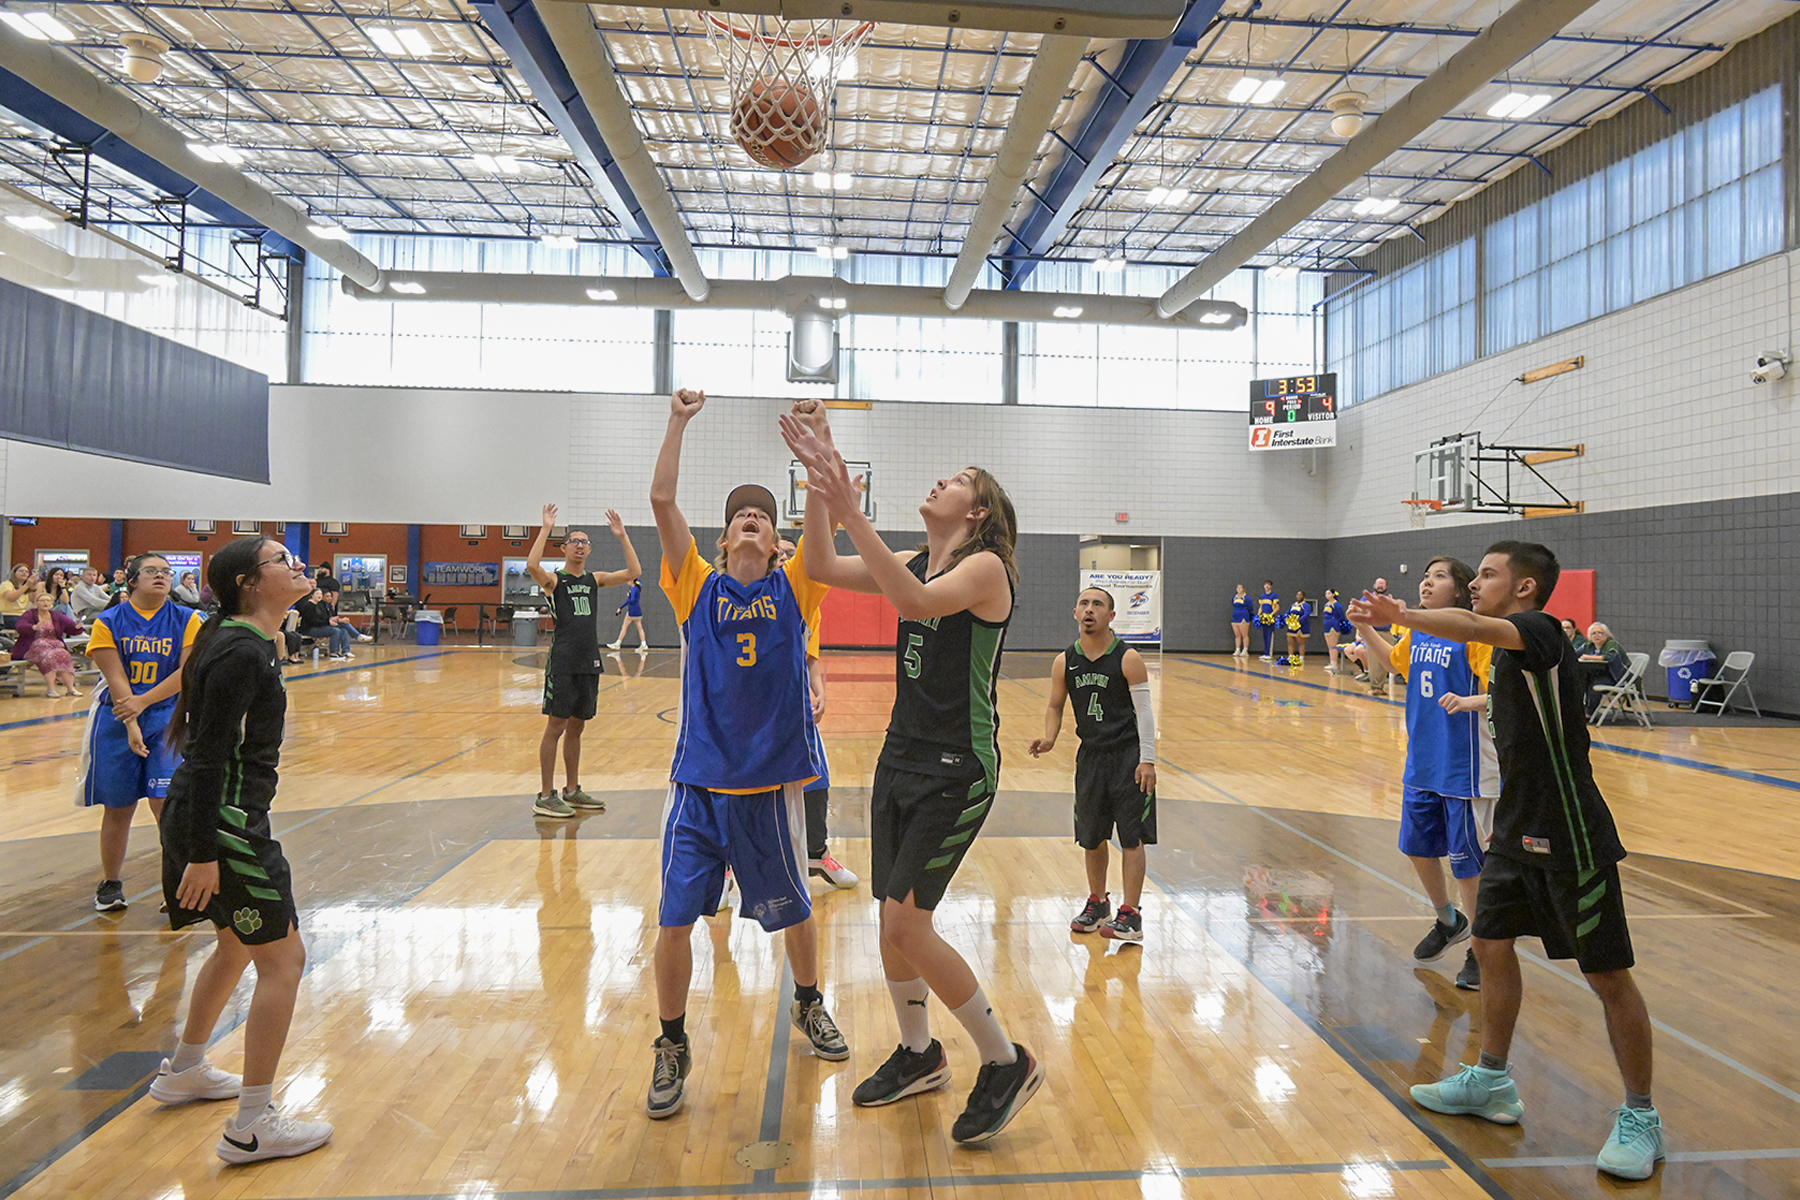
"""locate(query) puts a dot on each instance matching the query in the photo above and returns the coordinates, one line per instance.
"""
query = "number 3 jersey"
(1451, 754)
(746, 709)
(149, 646)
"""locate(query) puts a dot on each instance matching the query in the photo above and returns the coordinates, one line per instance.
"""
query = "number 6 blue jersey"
(746, 708)
(1451, 754)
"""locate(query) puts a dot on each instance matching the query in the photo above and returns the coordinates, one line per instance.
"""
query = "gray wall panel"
(1201, 574)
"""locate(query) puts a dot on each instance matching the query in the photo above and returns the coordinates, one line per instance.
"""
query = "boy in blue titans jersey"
(1336, 626)
(1268, 609)
(1552, 865)
(1298, 624)
(1115, 769)
(745, 749)
(1452, 776)
(572, 668)
(1240, 623)
(139, 646)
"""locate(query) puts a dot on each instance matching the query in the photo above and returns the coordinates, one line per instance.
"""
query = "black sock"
(807, 995)
(676, 1030)
(1491, 1062)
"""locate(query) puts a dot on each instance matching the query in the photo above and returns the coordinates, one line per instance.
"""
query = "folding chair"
(1627, 695)
(450, 620)
(1735, 674)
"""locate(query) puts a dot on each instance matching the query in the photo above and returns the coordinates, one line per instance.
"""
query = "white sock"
(252, 1101)
(990, 1040)
(187, 1056)
(910, 998)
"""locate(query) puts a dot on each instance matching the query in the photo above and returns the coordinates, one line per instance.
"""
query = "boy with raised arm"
(745, 750)
(1552, 866)
(572, 669)
(1115, 769)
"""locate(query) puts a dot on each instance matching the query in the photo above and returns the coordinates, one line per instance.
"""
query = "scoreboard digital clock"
(1294, 412)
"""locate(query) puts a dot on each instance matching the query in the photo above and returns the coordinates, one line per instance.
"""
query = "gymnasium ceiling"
(385, 140)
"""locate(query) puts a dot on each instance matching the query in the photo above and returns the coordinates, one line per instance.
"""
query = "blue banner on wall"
(461, 574)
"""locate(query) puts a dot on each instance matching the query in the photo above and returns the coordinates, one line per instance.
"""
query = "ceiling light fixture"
(1215, 318)
(39, 26)
(142, 56)
(1375, 207)
(1110, 262)
(1067, 312)
(559, 241)
(602, 294)
(331, 233)
(1162, 195)
(1518, 105)
(829, 250)
(407, 287)
(399, 40)
(217, 152)
(833, 304)
(497, 164)
(831, 181)
(30, 221)
(1346, 112)
(1251, 90)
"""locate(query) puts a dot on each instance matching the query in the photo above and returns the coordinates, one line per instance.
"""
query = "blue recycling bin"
(428, 625)
(1685, 661)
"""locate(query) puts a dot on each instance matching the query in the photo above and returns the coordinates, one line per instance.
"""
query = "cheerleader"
(1268, 607)
(1240, 623)
(1336, 625)
(1298, 624)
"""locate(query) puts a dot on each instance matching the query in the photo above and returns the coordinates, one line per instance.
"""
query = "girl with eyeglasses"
(220, 862)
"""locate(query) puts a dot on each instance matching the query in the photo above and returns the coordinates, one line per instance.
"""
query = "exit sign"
(1122, 518)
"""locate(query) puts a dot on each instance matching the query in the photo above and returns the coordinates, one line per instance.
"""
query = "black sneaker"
(1128, 926)
(110, 896)
(1441, 938)
(812, 1020)
(666, 1092)
(1469, 978)
(1000, 1092)
(1095, 911)
(905, 1073)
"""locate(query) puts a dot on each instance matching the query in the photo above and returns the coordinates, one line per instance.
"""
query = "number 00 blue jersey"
(149, 646)
(746, 709)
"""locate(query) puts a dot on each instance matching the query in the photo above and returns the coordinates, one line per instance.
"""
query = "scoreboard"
(1293, 413)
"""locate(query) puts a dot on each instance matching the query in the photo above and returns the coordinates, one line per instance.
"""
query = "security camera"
(1770, 366)
(1346, 110)
(142, 56)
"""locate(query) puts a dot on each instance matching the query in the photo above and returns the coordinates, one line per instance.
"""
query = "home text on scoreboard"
(1293, 412)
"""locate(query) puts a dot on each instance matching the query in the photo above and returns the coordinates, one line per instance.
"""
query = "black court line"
(1792, 785)
(775, 1090)
(1022, 1179)
(386, 662)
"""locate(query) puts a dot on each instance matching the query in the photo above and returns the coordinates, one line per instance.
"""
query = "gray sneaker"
(667, 1079)
(552, 805)
(820, 1030)
(580, 799)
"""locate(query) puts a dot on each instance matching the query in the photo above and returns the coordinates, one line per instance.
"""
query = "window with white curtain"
(1388, 332)
(1697, 203)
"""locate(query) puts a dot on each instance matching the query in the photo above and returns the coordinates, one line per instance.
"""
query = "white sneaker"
(271, 1135)
(643, 647)
(364, 637)
(201, 1082)
(612, 645)
(832, 871)
(729, 900)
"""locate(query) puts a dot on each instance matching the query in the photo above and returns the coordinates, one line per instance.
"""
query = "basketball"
(779, 124)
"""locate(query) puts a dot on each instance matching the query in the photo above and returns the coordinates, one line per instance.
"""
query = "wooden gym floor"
(476, 1017)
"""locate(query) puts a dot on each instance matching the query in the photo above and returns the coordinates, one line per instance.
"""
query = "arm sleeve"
(684, 588)
(1401, 659)
(1543, 638)
(1481, 662)
(1146, 721)
(192, 826)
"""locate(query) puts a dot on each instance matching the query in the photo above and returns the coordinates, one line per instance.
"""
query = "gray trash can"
(525, 629)
(1685, 661)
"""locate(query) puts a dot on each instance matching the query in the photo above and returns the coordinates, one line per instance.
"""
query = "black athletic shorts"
(920, 826)
(571, 696)
(1578, 916)
(1107, 796)
(255, 899)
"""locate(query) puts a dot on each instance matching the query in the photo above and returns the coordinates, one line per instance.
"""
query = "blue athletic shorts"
(761, 837)
(110, 774)
(1434, 826)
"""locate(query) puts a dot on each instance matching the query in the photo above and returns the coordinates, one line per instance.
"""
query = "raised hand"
(549, 516)
(826, 475)
(1376, 610)
(615, 522)
(813, 414)
(686, 404)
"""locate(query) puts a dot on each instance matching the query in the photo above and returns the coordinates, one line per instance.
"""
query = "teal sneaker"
(1635, 1145)
(1489, 1094)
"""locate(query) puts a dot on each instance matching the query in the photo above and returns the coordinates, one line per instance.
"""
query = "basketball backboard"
(1093, 19)
(1442, 473)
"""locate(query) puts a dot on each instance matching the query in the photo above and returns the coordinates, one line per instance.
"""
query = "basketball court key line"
(1693, 1043)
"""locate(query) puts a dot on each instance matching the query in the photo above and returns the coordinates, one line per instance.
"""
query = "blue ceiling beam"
(516, 25)
(1130, 92)
(32, 104)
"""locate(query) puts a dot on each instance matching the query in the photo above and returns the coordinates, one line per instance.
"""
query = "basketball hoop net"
(1418, 510)
(782, 74)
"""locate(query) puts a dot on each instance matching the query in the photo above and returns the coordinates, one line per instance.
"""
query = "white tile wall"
(1665, 407)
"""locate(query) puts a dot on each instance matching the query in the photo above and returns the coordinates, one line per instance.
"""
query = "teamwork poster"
(1137, 601)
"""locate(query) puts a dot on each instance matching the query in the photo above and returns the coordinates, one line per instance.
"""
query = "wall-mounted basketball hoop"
(1460, 474)
(782, 74)
(1417, 510)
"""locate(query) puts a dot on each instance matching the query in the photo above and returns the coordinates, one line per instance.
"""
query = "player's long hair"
(229, 570)
(1460, 575)
(997, 532)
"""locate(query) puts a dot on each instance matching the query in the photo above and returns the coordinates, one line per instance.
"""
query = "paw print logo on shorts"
(247, 920)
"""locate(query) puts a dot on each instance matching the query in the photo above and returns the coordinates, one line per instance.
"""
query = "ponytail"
(225, 575)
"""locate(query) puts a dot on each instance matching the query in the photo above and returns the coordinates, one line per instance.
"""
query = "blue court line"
(945, 1181)
(1687, 1040)
(1791, 785)
(82, 713)
(1676, 1156)
(775, 1089)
